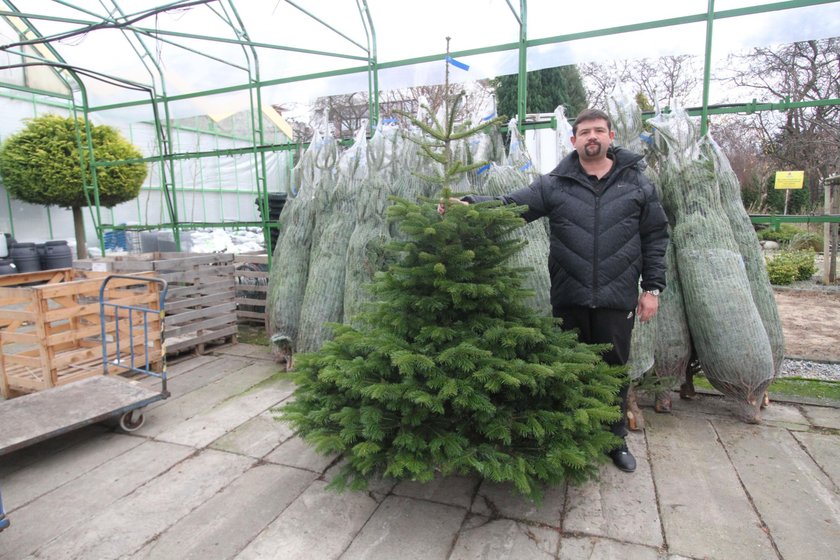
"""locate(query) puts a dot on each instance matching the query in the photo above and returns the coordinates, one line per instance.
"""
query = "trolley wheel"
(131, 420)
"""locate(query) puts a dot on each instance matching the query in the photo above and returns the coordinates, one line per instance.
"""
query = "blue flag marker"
(454, 62)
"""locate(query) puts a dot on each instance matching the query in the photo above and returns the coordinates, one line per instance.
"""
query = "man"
(608, 231)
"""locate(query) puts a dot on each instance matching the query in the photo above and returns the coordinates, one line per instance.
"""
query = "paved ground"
(212, 476)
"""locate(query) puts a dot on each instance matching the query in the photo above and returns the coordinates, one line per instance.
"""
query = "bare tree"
(665, 81)
(742, 143)
(806, 138)
(346, 113)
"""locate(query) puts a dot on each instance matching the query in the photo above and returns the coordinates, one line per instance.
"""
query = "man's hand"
(452, 200)
(648, 305)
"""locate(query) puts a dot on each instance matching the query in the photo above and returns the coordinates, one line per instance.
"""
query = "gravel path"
(810, 369)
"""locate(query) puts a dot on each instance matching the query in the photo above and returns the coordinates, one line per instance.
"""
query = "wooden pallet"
(251, 287)
(51, 328)
(201, 300)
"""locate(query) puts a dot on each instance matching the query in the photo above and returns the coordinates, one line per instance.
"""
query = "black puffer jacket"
(601, 243)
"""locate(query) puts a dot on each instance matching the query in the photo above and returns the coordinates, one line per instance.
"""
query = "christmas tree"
(450, 372)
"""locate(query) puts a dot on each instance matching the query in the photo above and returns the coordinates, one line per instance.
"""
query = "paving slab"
(206, 427)
(319, 524)
(824, 449)
(175, 502)
(193, 364)
(407, 529)
(208, 371)
(704, 509)
(823, 416)
(22, 458)
(378, 488)
(70, 508)
(788, 489)
(575, 548)
(295, 452)
(784, 415)
(179, 408)
(255, 351)
(23, 486)
(125, 526)
(619, 505)
(486, 539)
(256, 438)
(502, 500)
(777, 413)
(225, 524)
(701, 404)
(452, 490)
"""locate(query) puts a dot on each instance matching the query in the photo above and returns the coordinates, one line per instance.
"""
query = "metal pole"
(832, 207)
(163, 130)
(522, 84)
(826, 233)
(707, 68)
(373, 69)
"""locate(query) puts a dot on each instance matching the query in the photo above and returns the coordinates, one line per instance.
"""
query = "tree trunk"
(79, 227)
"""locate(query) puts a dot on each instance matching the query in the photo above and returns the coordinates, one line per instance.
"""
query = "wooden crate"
(201, 301)
(51, 328)
(251, 274)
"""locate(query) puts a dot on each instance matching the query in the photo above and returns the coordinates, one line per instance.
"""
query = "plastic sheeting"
(208, 189)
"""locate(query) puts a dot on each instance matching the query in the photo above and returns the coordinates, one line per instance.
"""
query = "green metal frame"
(776, 221)
(131, 26)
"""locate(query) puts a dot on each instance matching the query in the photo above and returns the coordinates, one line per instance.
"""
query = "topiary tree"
(41, 165)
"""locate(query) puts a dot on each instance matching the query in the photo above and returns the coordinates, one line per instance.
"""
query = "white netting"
(290, 263)
(504, 179)
(335, 220)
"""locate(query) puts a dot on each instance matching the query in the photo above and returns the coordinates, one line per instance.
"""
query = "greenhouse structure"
(465, 367)
(201, 87)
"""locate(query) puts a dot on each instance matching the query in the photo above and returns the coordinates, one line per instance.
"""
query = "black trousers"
(597, 326)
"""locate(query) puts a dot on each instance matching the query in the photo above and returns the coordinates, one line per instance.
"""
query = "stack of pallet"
(201, 301)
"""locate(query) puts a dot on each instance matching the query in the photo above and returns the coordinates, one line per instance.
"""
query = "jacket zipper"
(596, 236)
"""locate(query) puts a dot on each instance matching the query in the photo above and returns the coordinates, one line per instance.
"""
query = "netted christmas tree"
(450, 371)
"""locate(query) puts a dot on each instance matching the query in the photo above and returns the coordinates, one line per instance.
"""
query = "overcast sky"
(403, 30)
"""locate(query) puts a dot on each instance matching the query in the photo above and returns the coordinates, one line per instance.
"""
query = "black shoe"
(623, 459)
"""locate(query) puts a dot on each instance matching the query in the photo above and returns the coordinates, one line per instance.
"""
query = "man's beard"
(592, 149)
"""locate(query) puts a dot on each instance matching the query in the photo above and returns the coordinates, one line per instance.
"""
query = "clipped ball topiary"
(41, 164)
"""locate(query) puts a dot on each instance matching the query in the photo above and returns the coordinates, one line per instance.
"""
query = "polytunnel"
(200, 86)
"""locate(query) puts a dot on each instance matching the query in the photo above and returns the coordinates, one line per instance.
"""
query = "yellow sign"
(790, 179)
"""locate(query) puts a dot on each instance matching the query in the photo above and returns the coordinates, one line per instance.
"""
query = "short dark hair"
(591, 115)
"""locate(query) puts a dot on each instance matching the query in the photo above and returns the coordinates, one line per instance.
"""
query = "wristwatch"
(654, 293)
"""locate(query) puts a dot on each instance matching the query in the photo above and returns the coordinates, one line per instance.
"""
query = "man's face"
(592, 139)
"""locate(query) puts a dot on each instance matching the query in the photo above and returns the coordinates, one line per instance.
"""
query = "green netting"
(748, 245)
(723, 319)
(672, 349)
